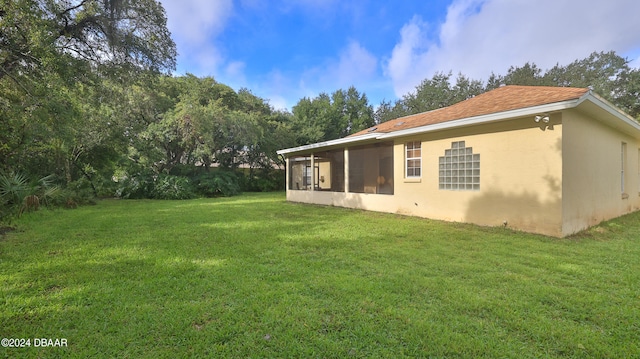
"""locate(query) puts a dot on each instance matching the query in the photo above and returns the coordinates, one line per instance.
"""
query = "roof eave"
(483, 119)
(628, 123)
(589, 96)
(337, 142)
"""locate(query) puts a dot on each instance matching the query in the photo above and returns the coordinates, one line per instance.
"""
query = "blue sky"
(289, 49)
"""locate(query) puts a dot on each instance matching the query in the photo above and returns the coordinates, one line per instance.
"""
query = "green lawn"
(255, 276)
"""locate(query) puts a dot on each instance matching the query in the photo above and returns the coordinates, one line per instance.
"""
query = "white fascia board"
(337, 142)
(477, 120)
(609, 108)
(469, 121)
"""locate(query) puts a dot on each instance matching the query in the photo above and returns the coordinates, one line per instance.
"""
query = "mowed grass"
(255, 276)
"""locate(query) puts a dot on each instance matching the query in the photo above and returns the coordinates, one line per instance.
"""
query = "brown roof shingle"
(499, 100)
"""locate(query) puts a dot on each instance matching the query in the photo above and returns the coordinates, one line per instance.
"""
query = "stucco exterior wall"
(324, 175)
(592, 172)
(520, 179)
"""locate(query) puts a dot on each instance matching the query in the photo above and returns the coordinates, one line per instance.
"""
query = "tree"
(60, 61)
(598, 71)
(528, 75)
(353, 111)
(311, 119)
(276, 134)
(432, 94)
(209, 123)
(327, 117)
(628, 95)
(46, 34)
(387, 111)
(606, 73)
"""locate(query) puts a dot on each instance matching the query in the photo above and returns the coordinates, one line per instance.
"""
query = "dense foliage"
(327, 117)
(87, 102)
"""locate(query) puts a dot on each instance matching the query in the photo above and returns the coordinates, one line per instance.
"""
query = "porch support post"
(313, 172)
(286, 174)
(346, 170)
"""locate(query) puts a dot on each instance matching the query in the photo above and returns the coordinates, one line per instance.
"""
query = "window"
(413, 159)
(459, 168)
(371, 168)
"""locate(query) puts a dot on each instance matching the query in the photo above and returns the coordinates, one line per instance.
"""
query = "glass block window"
(413, 157)
(459, 168)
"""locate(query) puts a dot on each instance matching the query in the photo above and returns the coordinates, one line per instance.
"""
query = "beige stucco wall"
(555, 182)
(520, 179)
(324, 174)
(592, 172)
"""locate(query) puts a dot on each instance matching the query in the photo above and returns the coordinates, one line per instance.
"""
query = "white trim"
(336, 142)
(477, 120)
(407, 159)
(610, 108)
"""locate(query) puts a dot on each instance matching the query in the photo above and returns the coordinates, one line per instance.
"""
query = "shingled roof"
(503, 103)
(499, 100)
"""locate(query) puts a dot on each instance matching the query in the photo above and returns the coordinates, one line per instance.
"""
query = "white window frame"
(413, 171)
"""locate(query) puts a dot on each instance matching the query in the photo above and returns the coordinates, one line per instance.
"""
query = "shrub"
(173, 187)
(218, 183)
(189, 171)
(264, 180)
(14, 187)
(78, 192)
(18, 194)
(147, 185)
(135, 186)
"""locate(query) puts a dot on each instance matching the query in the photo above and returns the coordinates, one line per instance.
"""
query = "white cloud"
(193, 25)
(278, 102)
(483, 36)
(408, 57)
(318, 7)
(193, 21)
(277, 88)
(355, 65)
(235, 70)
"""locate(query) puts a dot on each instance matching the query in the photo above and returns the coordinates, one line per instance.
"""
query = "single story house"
(549, 160)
